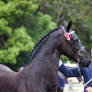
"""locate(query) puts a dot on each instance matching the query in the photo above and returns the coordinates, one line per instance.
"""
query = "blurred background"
(24, 22)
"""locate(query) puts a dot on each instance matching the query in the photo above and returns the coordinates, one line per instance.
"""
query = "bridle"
(74, 50)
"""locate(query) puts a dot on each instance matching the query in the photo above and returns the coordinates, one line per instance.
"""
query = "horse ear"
(69, 25)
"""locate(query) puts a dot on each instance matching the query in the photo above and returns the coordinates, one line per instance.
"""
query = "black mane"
(40, 43)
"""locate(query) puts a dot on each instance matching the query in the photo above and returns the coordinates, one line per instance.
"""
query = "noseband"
(80, 49)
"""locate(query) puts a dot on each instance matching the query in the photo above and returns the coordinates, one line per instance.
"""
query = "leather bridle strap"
(76, 52)
(80, 76)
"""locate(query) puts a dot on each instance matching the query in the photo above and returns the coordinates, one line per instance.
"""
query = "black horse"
(41, 74)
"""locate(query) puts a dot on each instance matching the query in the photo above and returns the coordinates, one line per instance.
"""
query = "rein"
(80, 76)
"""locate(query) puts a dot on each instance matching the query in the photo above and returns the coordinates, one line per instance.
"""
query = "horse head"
(70, 45)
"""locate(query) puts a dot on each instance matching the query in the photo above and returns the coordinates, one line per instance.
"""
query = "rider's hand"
(89, 89)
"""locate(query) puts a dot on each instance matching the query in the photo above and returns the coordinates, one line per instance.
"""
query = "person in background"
(62, 79)
(62, 83)
(74, 72)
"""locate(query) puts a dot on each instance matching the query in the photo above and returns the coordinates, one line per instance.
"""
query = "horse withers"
(40, 75)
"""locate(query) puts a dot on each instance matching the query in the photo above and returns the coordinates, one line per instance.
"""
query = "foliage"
(77, 10)
(21, 26)
(17, 42)
(24, 22)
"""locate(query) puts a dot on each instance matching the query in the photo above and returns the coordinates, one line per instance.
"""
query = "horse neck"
(46, 59)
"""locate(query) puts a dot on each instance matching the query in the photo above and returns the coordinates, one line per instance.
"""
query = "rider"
(74, 72)
(62, 79)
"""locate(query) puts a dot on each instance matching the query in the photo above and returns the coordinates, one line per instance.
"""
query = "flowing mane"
(40, 43)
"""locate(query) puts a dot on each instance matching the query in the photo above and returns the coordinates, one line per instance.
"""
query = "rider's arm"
(69, 72)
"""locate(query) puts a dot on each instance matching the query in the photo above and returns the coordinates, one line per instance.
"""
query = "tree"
(24, 22)
(21, 26)
(79, 11)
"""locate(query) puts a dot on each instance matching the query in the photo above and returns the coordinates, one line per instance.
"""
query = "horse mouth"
(82, 61)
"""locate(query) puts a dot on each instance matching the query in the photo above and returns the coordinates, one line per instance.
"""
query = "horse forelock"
(40, 43)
